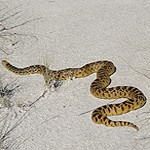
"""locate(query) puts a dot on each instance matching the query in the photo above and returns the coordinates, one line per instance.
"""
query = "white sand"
(72, 33)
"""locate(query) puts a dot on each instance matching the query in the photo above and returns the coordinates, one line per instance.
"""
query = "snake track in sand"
(98, 88)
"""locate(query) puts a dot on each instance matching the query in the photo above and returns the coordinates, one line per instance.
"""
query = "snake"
(135, 98)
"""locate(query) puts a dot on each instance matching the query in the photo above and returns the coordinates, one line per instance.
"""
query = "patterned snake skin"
(98, 88)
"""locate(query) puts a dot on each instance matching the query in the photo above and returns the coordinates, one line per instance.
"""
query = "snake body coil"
(98, 88)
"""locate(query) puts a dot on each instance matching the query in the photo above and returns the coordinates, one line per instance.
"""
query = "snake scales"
(98, 88)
